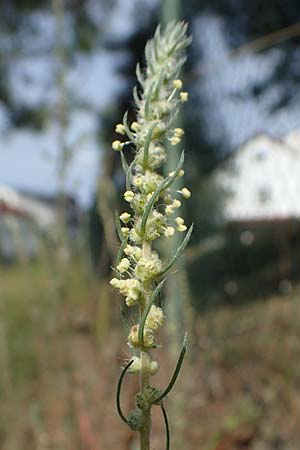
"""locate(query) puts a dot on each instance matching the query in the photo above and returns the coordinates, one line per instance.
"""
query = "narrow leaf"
(121, 250)
(173, 118)
(159, 297)
(118, 395)
(124, 162)
(118, 226)
(176, 371)
(125, 324)
(129, 174)
(166, 427)
(156, 44)
(148, 100)
(128, 132)
(147, 144)
(146, 311)
(159, 83)
(139, 74)
(179, 250)
(136, 96)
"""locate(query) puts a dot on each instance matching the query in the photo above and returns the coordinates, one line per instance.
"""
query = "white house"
(42, 214)
(20, 217)
(262, 179)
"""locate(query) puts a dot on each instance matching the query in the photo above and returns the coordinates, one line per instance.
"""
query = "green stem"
(145, 382)
(145, 369)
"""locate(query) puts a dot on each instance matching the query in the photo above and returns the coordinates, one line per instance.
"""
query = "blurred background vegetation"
(67, 69)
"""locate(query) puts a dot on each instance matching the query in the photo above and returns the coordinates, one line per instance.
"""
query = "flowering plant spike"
(152, 205)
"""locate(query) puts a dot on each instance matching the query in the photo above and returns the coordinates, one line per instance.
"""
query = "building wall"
(263, 179)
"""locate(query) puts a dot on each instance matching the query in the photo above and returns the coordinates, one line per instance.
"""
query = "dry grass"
(57, 379)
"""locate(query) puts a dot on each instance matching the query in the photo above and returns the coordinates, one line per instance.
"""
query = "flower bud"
(177, 84)
(185, 192)
(133, 251)
(178, 132)
(179, 220)
(125, 216)
(154, 367)
(148, 339)
(184, 96)
(136, 365)
(128, 196)
(176, 203)
(169, 210)
(117, 145)
(148, 268)
(135, 419)
(155, 318)
(120, 128)
(169, 232)
(123, 266)
(175, 140)
(134, 126)
(125, 231)
(115, 282)
(181, 228)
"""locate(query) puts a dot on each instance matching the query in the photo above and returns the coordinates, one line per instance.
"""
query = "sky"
(29, 160)
(230, 114)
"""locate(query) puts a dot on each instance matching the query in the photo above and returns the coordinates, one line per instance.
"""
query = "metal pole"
(176, 289)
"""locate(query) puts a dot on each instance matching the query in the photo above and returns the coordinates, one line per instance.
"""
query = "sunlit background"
(67, 70)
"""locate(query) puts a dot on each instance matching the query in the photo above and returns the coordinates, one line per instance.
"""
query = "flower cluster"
(149, 193)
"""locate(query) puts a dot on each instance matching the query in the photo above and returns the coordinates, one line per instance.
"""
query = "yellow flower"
(134, 126)
(180, 224)
(120, 128)
(129, 250)
(136, 365)
(185, 192)
(175, 140)
(169, 210)
(176, 203)
(125, 216)
(115, 282)
(133, 251)
(148, 338)
(154, 367)
(123, 266)
(117, 145)
(155, 318)
(177, 84)
(184, 96)
(179, 220)
(178, 132)
(125, 231)
(149, 267)
(181, 228)
(169, 231)
(128, 196)
(180, 173)
(130, 288)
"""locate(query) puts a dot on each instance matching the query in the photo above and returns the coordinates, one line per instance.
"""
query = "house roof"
(17, 203)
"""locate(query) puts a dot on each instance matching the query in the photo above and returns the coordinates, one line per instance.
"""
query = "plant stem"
(145, 382)
(145, 367)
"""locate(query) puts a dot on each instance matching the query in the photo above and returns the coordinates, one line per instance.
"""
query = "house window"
(260, 155)
(264, 195)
